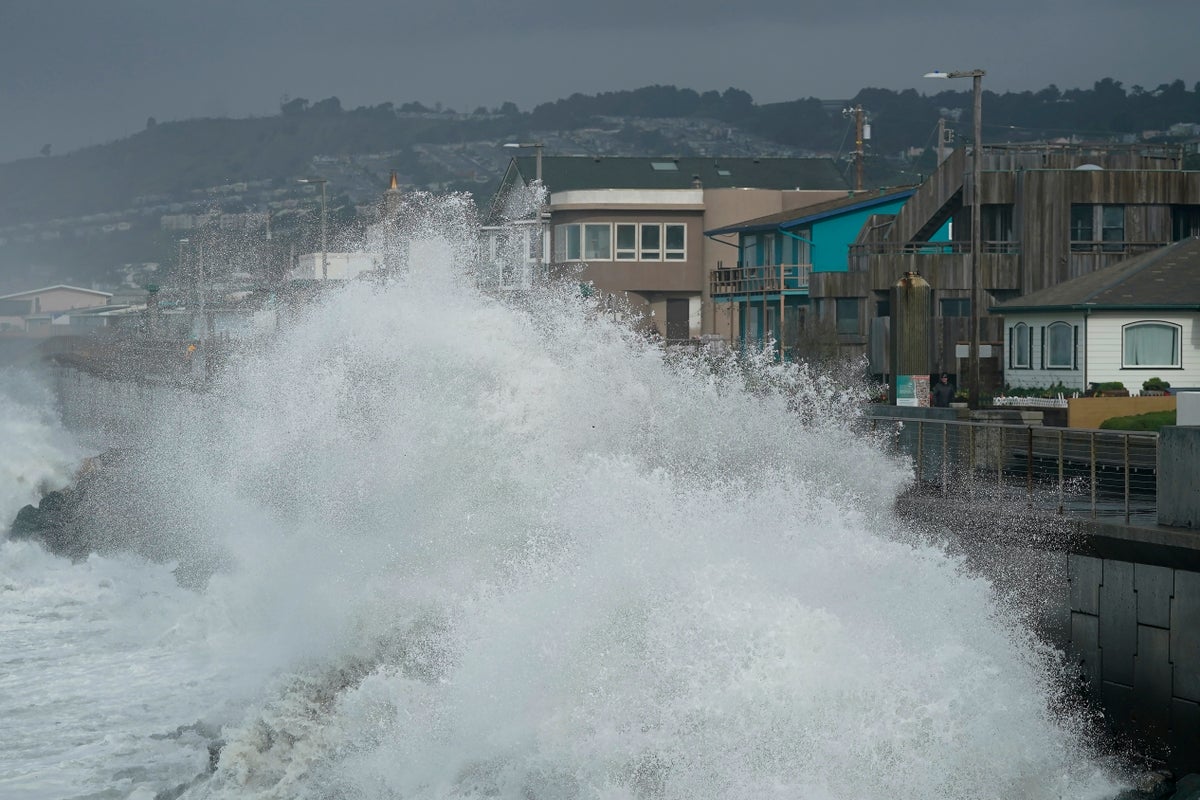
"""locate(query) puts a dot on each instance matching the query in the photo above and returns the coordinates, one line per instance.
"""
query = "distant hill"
(82, 214)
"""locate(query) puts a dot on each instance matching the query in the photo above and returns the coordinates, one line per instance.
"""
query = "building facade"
(1129, 322)
(1049, 213)
(34, 311)
(633, 228)
(777, 258)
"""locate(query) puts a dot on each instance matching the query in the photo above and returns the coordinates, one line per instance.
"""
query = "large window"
(847, 315)
(626, 241)
(1059, 346)
(676, 236)
(1150, 344)
(597, 242)
(1185, 222)
(566, 243)
(1018, 346)
(956, 306)
(1092, 224)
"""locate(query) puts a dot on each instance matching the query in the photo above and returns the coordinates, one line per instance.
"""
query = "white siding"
(1038, 374)
(1104, 350)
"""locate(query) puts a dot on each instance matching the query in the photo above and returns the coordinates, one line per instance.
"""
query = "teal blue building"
(777, 255)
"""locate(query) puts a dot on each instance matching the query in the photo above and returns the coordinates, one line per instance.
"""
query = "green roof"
(570, 173)
(805, 214)
(1166, 278)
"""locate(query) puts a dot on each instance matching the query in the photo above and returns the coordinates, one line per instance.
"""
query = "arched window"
(1018, 346)
(1059, 346)
(1150, 344)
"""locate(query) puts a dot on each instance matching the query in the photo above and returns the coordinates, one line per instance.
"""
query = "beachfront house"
(1136, 319)
(767, 285)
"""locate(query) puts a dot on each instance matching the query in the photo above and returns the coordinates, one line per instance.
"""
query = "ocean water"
(451, 546)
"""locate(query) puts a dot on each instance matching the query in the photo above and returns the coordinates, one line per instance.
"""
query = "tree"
(330, 106)
(45, 150)
(294, 107)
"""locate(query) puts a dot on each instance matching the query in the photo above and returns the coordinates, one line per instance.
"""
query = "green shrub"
(1038, 391)
(1155, 384)
(1140, 422)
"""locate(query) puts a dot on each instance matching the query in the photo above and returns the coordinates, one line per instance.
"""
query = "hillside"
(82, 215)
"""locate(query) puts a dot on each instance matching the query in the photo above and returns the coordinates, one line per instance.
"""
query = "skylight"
(665, 166)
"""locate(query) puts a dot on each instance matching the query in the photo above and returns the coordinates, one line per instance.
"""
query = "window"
(534, 243)
(847, 315)
(769, 250)
(566, 243)
(597, 242)
(626, 242)
(1059, 343)
(1185, 222)
(1150, 344)
(1087, 220)
(651, 242)
(1082, 229)
(1112, 228)
(996, 222)
(676, 236)
(956, 307)
(1018, 345)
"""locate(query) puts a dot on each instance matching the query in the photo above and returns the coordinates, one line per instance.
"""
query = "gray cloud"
(76, 72)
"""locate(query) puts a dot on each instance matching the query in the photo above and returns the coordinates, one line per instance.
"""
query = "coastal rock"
(52, 522)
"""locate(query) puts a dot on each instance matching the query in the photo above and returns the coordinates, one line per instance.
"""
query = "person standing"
(943, 392)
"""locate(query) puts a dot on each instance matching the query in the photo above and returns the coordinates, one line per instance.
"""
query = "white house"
(34, 310)
(1133, 320)
(337, 266)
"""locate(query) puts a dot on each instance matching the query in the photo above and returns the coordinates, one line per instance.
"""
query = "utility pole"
(941, 140)
(860, 135)
(976, 76)
(324, 254)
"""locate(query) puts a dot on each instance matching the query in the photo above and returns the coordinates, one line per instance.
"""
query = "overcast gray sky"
(79, 72)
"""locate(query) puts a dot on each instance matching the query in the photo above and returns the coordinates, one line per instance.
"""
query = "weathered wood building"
(1049, 213)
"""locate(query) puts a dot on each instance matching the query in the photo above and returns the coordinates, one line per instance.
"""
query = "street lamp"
(537, 149)
(324, 254)
(976, 244)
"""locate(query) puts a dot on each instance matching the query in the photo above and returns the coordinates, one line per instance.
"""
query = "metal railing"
(759, 280)
(1097, 473)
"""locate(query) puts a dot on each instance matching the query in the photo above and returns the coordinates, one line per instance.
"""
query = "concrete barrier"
(1188, 408)
(1179, 476)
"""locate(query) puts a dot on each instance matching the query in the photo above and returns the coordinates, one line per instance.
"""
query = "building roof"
(809, 214)
(1166, 278)
(32, 292)
(572, 173)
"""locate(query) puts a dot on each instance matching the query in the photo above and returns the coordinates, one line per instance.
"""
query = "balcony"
(742, 281)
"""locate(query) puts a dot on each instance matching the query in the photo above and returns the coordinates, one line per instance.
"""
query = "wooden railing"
(931, 248)
(759, 280)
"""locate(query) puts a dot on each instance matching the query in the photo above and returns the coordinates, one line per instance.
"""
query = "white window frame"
(1048, 347)
(590, 255)
(674, 253)
(1018, 357)
(1176, 355)
(562, 243)
(655, 254)
(626, 254)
